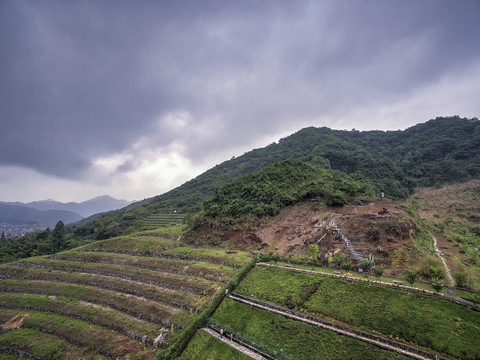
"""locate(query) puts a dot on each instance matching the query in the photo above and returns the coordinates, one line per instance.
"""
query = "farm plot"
(155, 247)
(106, 342)
(206, 347)
(162, 220)
(284, 338)
(219, 273)
(159, 278)
(42, 345)
(422, 320)
(135, 303)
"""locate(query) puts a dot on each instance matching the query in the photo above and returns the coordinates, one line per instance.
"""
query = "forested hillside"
(266, 192)
(439, 151)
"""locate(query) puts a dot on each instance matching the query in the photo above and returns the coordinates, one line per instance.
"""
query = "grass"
(137, 274)
(100, 296)
(97, 313)
(78, 331)
(133, 243)
(199, 268)
(291, 337)
(204, 346)
(44, 345)
(362, 276)
(423, 320)
(116, 294)
(85, 286)
(155, 245)
(170, 231)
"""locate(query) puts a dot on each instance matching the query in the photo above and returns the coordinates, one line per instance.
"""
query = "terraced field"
(437, 326)
(123, 297)
(155, 221)
(286, 339)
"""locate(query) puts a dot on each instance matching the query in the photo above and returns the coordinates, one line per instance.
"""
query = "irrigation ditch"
(22, 354)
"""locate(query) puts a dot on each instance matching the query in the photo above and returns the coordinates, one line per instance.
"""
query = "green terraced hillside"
(155, 221)
(126, 297)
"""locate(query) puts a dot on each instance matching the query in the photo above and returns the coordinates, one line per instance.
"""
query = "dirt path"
(235, 345)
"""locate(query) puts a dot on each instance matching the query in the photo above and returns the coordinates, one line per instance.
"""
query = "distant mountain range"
(49, 212)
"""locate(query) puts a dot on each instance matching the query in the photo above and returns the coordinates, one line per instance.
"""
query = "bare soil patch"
(378, 227)
(15, 322)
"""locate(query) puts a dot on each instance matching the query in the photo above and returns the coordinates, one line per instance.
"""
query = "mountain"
(87, 208)
(440, 151)
(17, 215)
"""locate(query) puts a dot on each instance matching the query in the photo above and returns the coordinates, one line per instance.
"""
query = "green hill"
(394, 162)
(439, 151)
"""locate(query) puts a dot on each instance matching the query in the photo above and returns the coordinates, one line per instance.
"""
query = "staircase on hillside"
(350, 248)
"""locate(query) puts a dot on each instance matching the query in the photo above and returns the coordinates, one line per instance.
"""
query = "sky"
(133, 98)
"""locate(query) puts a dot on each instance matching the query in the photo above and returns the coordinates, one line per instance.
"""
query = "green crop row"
(79, 308)
(163, 279)
(46, 346)
(423, 320)
(79, 332)
(294, 338)
(206, 347)
(183, 267)
(143, 309)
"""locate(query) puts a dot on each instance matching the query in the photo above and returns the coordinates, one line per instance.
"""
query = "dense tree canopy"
(265, 192)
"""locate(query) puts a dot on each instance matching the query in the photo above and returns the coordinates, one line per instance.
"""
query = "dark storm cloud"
(88, 79)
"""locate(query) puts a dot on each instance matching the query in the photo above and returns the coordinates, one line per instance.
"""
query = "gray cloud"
(87, 80)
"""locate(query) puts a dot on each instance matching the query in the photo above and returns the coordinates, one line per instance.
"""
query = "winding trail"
(440, 255)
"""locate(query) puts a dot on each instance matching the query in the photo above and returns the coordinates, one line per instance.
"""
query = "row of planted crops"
(127, 297)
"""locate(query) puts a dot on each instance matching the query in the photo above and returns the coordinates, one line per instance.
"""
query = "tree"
(58, 236)
(411, 276)
(437, 286)
(314, 251)
(340, 260)
(3, 235)
(378, 271)
(435, 273)
(365, 264)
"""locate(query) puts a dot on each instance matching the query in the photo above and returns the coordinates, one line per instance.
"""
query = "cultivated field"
(124, 297)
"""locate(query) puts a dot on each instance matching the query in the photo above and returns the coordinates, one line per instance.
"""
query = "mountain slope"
(394, 162)
(86, 208)
(14, 214)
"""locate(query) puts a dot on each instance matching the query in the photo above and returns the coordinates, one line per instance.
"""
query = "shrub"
(378, 271)
(411, 276)
(365, 264)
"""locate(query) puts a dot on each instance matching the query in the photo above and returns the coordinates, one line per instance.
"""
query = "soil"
(376, 227)
(15, 322)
